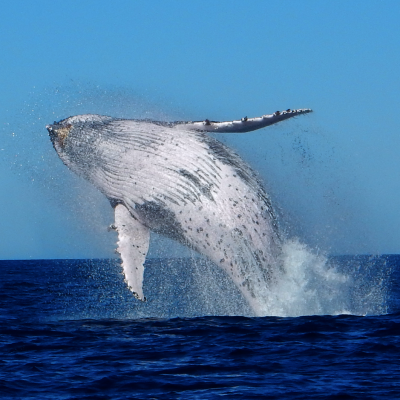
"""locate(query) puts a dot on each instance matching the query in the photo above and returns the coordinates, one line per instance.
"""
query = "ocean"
(70, 329)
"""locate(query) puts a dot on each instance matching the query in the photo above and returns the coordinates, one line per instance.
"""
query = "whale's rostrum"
(174, 179)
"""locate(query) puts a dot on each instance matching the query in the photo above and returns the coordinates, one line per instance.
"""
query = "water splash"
(312, 284)
(309, 284)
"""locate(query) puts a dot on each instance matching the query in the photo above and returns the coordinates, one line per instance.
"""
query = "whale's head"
(75, 138)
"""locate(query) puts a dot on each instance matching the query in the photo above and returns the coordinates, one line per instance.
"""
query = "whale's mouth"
(58, 133)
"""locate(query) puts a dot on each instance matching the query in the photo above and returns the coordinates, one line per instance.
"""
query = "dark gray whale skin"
(174, 179)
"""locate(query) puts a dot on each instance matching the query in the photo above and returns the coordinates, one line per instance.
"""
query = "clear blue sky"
(333, 175)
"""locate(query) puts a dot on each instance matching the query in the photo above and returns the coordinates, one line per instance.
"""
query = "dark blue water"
(72, 330)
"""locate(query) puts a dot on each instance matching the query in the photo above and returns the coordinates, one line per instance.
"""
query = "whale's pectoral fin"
(133, 244)
(243, 125)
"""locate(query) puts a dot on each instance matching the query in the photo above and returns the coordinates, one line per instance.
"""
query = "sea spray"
(310, 283)
(306, 285)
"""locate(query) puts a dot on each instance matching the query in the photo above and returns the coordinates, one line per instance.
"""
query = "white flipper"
(133, 244)
(243, 125)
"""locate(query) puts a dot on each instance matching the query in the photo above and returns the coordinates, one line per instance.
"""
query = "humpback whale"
(174, 179)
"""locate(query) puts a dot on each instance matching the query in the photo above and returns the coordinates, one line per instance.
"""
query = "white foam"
(310, 285)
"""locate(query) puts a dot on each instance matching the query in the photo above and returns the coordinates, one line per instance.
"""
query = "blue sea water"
(70, 329)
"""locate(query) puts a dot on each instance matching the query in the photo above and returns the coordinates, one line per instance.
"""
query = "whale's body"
(175, 180)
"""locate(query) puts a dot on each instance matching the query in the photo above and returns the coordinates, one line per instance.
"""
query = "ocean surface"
(70, 329)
